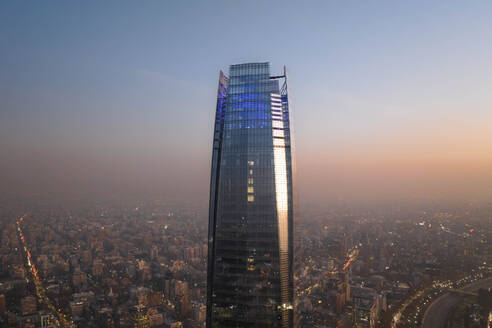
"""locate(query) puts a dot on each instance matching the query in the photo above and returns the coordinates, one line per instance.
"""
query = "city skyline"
(394, 97)
(338, 175)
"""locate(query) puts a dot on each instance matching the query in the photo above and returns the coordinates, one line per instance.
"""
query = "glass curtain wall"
(250, 279)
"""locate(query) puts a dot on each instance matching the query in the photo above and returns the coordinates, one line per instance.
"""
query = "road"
(59, 319)
(437, 313)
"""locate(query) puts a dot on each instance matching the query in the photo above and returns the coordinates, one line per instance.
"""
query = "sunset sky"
(391, 99)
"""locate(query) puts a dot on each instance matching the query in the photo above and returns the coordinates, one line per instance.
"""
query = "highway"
(437, 313)
(58, 317)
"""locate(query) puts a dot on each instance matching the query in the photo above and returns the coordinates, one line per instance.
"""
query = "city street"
(437, 313)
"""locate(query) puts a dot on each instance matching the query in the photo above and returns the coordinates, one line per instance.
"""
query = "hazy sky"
(391, 99)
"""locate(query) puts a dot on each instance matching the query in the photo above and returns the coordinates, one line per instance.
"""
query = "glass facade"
(250, 260)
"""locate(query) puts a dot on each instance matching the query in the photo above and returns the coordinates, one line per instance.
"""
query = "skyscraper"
(250, 253)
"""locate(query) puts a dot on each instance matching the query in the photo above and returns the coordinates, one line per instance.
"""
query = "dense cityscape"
(144, 266)
(246, 164)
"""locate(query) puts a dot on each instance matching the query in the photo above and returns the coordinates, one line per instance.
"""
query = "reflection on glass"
(250, 280)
